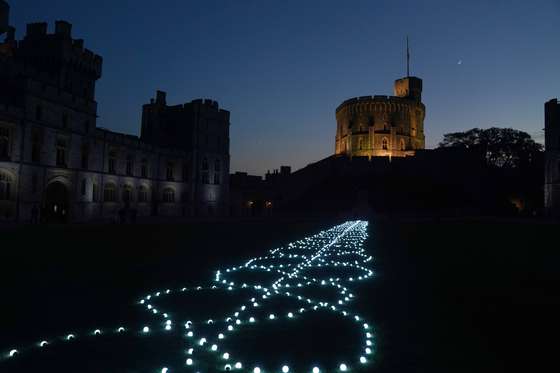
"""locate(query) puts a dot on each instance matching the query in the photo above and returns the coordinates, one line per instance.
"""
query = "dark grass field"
(463, 296)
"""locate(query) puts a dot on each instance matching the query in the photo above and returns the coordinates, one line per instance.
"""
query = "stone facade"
(383, 126)
(552, 157)
(56, 165)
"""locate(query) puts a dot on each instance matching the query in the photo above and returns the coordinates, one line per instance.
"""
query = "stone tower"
(4, 16)
(552, 157)
(383, 126)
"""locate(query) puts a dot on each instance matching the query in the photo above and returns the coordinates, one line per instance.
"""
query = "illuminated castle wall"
(383, 126)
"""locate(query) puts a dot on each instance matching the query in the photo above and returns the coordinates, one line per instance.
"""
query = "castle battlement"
(59, 45)
(380, 103)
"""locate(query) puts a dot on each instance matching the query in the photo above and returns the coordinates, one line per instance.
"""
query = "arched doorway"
(55, 203)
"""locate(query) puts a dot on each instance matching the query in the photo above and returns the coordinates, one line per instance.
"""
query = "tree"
(503, 147)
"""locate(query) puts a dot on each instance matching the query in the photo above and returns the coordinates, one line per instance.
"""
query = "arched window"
(385, 144)
(127, 194)
(110, 193)
(168, 195)
(5, 187)
(403, 145)
(142, 194)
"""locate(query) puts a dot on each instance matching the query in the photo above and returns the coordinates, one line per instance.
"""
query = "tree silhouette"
(502, 147)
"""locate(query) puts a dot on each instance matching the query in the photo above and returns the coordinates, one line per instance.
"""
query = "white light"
(225, 356)
(257, 370)
(13, 352)
(271, 316)
(363, 360)
(146, 329)
(70, 336)
(43, 343)
(120, 330)
(97, 332)
(190, 334)
(238, 365)
(189, 361)
(164, 370)
(285, 369)
(190, 351)
(202, 341)
(368, 350)
(167, 327)
(214, 348)
(220, 336)
(343, 367)
(316, 370)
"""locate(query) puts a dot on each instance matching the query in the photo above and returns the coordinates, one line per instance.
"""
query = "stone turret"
(4, 16)
(552, 157)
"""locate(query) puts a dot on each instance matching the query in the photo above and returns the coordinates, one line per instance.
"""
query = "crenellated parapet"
(58, 48)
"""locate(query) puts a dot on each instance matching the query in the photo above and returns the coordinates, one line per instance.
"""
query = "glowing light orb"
(43, 343)
(214, 348)
(363, 360)
(70, 336)
(164, 370)
(238, 365)
(343, 367)
(225, 356)
(221, 336)
(189, 361)
(13, 352)
(257, 370)
(271, 316)
(97, 332)
(120, 330)
(316, 370)
(145, 330)
(285, 369)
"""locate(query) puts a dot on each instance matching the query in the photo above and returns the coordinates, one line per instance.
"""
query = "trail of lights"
(292, 266)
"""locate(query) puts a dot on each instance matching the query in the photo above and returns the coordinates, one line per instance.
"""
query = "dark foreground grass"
(448, 297)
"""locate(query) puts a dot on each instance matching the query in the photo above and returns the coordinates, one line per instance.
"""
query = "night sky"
(282, 67)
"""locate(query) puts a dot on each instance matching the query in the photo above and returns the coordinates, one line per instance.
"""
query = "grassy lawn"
(449, 296)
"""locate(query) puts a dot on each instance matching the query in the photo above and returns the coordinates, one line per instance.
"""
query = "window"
(109, 193)
(85, 156)
(142, 194)
(205, 176)
(360, 141)
(39, 112)
(61, 153)
(127, 194)
(385, 144)
(4, 143)
(112, 161)
(129, 165)
(168, 195)
(170, 167)
(5, 187)
(95, 193)
(84, 187)
(144, 168)
(403, 145)
(217, 171)
(36, 146)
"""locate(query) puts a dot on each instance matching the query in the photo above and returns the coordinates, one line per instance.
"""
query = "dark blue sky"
(282, 67)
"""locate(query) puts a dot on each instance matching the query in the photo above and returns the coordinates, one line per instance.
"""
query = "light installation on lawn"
(326, 249)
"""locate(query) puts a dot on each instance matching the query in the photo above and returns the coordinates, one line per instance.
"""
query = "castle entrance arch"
(56, 203)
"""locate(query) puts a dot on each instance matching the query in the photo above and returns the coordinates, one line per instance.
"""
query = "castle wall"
(49, 138)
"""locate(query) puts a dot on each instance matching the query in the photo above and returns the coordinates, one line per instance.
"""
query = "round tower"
(383, 126)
